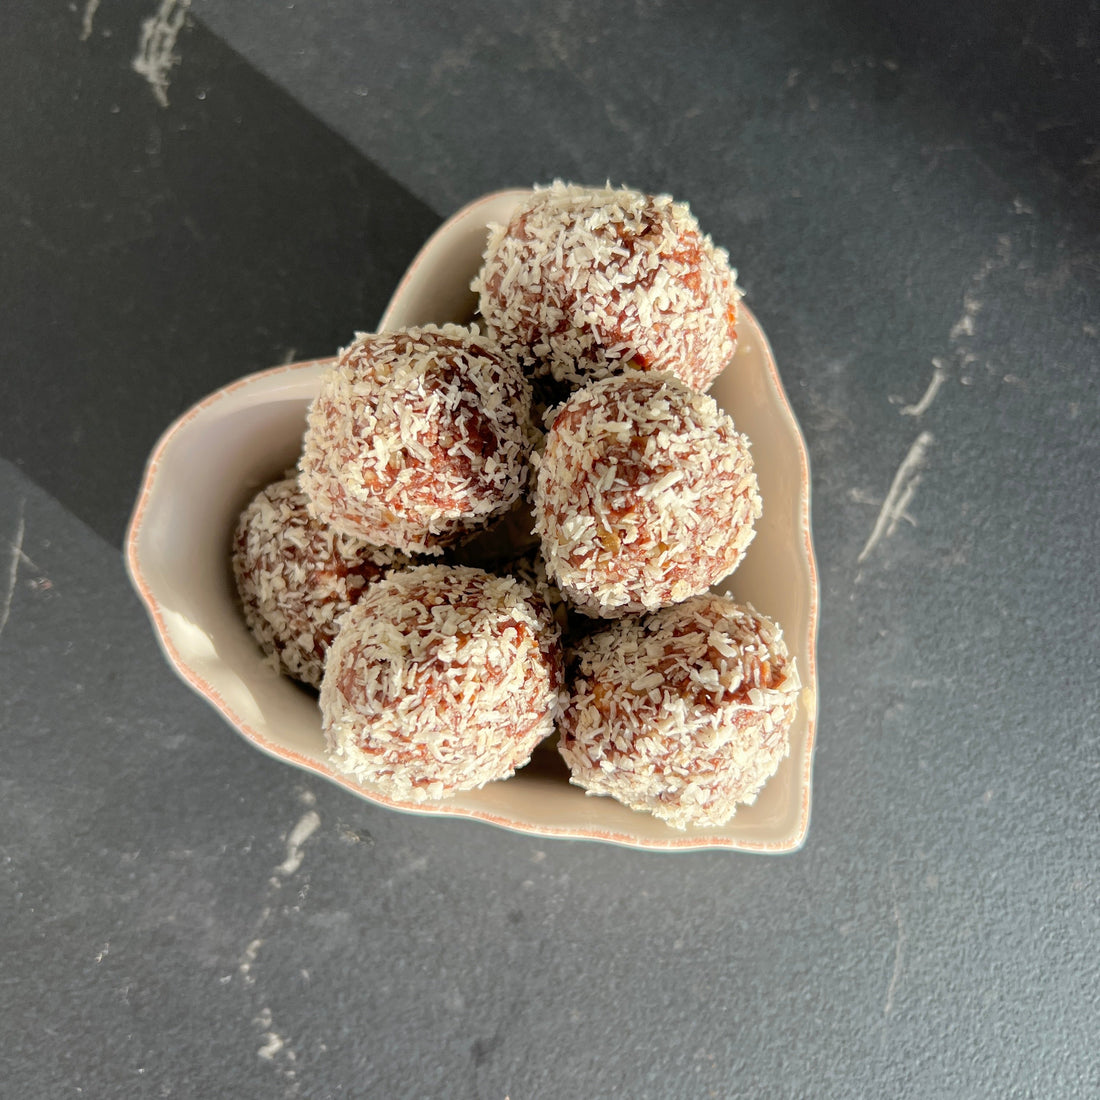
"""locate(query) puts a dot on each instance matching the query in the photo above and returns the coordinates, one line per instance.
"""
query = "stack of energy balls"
(604, 317)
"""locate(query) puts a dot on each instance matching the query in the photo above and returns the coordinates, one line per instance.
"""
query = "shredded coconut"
(582, 282)
(530, 569)
(417, 437)
(685, 713)
(645, 495)
(442, 679)
(297, 579)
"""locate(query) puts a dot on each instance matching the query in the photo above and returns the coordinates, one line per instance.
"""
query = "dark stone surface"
(154, 253)
(906, 190)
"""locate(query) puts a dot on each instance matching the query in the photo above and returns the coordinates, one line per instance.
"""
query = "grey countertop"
(910, 194)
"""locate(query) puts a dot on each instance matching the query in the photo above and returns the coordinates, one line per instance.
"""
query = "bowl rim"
(673, 842)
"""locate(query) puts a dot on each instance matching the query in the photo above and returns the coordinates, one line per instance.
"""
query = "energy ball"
(685, 713)
(646, 495)
(417, 437)
(297, 579)
(583, 282)
(442, 678)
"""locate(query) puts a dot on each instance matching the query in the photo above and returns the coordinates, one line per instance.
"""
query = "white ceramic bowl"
(211, 461)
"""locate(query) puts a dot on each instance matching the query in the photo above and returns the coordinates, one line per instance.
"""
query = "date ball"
(297, 579)
(441, 679)
(684, 714)
(417, 437)
(646, 495)
(583, 282)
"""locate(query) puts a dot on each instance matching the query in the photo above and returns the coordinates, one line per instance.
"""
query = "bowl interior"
(210, 463)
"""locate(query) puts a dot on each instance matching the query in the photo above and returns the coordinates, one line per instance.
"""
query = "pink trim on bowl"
(811, 559)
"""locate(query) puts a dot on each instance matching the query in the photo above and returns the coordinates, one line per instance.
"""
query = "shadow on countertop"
(153, 254)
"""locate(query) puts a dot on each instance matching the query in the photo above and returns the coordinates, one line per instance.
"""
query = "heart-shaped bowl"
(214, 458)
